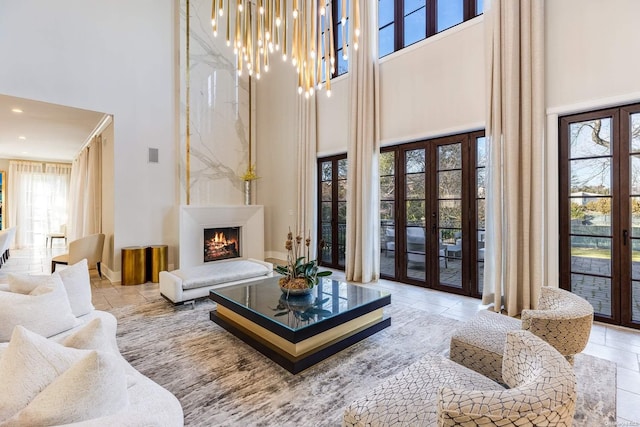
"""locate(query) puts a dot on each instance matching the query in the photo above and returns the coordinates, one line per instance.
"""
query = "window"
(332, 206)
(405, 22)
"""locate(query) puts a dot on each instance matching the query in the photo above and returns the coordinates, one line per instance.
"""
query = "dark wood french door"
(432, 213)
(600, 211)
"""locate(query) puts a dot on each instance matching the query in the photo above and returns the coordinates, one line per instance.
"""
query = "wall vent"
(153, 155)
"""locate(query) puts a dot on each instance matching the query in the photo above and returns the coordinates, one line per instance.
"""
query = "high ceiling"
(43, 131)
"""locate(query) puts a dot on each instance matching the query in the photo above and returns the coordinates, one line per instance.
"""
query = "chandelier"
(301, 30)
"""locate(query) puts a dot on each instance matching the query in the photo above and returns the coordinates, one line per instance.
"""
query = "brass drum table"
(157, 256)
(133, 265)
(297, 332)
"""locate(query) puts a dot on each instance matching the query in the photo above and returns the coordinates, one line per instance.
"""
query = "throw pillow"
(25, 283)
(93, 336)
(28, 365)
(94, 387)
(78, 285)
(45, 311)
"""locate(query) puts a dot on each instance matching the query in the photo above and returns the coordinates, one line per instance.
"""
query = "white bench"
(187, 284)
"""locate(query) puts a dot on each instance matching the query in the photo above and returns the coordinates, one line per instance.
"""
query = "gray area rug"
(222, 381)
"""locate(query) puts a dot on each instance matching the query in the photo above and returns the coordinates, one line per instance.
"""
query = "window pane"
(342, 212)
(415, 161)
(415, 212)
(590, 138)
(635, 132)
(385, 12)
(387, 211)
(591, 216)
(342, 189)
(635, 301)
(635, 217)
(635, 259)
(386, 40)
(415, 186)
(449, 184)
(450, 13)
(415, 26)
(590, 177)
(481, 214)
(481, 184)
(326, 191)
(635, 174)
(326, 212)
(326, 171)
(413, 5)
(596, 290)
(479, 7)
(342, 168)
(450, 213)
(593, 259)
(481, 151)
(450, 156)
(387, 187)
(387, 163)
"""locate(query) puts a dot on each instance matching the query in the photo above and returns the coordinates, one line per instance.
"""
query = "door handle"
(625, 236)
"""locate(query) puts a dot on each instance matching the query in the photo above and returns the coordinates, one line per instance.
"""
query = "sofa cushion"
(92, 336)
(78, 285)
(25, 283)
(45, 310)
(220, 272)
(93, 387)
(28, 365)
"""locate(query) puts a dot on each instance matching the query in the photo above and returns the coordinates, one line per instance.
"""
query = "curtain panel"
(363, 151)
(85, 201)
(514, 31)
(37, 200)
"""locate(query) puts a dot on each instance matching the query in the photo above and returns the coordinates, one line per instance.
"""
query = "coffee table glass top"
(329, 299)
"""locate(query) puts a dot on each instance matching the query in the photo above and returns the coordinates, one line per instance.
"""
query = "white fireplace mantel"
(194, 219)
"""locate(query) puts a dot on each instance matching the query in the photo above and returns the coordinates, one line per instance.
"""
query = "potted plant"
(300, 272)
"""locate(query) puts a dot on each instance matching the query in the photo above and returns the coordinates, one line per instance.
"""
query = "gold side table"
(157, 256)
(133, 265)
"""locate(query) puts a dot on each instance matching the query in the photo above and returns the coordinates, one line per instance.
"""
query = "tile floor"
(620, 345)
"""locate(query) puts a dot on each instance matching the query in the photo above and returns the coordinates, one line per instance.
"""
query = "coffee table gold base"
(309, 351)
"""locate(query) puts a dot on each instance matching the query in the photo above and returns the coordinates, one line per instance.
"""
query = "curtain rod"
(102, 125)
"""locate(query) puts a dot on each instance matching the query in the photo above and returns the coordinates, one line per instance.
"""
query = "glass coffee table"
(297, 332)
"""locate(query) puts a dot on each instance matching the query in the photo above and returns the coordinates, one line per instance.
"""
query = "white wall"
(591, 63)
(108, 211)
(114, 56)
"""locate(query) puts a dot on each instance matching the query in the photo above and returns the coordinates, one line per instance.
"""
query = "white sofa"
(145, 404)
(187, 284)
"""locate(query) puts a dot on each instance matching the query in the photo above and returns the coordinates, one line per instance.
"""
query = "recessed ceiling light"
(25, 152)
(16, 110)
(22, 137)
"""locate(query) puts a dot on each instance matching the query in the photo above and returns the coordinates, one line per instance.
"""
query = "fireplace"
(221, 243)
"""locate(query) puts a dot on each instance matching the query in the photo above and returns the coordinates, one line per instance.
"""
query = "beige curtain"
(515, 136)
(85, 201)
(363, 213)
(36, 200)
(307, 175)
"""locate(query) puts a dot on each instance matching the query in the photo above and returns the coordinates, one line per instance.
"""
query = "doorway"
(600, 211)
(432, 213)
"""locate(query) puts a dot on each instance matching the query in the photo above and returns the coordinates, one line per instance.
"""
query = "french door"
(600, 211)
(332, 203)
(432, 221)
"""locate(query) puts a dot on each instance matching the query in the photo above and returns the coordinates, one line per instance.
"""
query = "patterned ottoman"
(479, 343)
(436, 391)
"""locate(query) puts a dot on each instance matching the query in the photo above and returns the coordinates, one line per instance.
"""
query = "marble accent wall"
(218, 113)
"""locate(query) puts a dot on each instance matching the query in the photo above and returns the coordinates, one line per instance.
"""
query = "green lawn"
(599, 253)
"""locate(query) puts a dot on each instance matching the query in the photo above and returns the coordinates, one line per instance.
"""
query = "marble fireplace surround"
(194, 219)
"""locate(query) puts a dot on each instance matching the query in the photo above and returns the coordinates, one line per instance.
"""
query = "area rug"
(221, 381)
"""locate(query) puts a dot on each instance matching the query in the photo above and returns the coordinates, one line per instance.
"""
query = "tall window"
(332, 206)
(405, 22)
